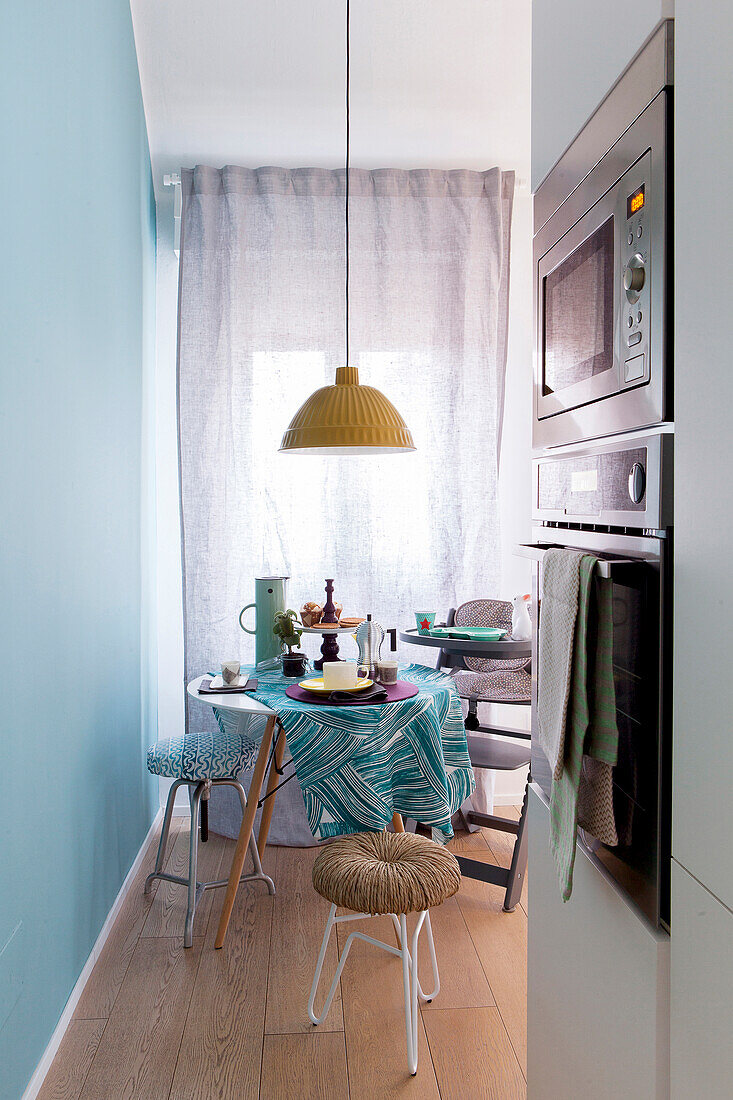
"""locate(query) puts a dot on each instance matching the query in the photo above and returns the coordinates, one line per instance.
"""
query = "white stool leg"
(433, 961)
(410, 983)
(427, 997)
(409, 989)
(319, 967)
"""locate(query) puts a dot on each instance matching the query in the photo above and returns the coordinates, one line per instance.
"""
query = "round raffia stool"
(391, 874)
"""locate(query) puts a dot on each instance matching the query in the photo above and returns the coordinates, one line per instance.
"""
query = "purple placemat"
(395, 692)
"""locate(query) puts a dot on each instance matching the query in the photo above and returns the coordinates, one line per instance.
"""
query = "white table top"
(244, 704)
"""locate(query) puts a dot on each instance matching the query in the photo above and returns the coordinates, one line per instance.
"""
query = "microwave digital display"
(635, 202)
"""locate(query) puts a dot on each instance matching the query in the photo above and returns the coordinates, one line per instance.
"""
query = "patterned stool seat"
(385, 873)
(197, 756)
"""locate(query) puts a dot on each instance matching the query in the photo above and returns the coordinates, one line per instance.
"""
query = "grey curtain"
(261, 325)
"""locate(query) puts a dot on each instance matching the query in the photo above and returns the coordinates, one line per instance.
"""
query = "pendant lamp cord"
(348, 147)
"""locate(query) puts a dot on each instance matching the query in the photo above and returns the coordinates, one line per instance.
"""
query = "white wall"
(440, 84)
(580, 48)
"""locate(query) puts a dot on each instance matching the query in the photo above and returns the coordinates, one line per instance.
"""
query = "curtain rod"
(173, 179)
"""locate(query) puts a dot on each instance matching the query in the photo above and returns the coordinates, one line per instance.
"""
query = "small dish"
(316, 685)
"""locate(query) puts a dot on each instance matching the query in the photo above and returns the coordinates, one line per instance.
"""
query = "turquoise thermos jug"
(270, 597)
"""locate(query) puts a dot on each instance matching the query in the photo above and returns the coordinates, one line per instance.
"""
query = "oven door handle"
(608, 568)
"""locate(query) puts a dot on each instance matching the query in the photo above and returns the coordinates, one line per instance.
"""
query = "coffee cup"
(230, 672)
(339, 675)
(388, 672)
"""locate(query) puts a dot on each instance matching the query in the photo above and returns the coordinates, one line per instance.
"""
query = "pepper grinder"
(369, 638)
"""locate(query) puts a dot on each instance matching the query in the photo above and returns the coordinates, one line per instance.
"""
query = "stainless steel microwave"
(601, 262)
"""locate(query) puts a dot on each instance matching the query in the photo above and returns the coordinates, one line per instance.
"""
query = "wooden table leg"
(248, 820)
(272, 782)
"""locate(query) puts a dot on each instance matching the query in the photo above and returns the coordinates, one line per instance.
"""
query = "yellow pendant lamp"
(347, 418)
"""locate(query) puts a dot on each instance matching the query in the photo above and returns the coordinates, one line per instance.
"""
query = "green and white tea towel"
(590, 728)
(560, 572)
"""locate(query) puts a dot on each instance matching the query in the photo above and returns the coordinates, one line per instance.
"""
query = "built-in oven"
(614, 499)
(601, 262)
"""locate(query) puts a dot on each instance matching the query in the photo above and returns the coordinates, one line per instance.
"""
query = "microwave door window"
(578, 314)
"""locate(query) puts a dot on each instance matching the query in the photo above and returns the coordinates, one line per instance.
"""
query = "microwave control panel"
(635, 251)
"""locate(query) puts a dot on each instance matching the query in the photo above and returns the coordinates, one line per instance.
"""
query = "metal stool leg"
(197, 793)
(410, 981)
(204, 819)
(193, 848)
(410, 986)
(160, 857)
(426, 997)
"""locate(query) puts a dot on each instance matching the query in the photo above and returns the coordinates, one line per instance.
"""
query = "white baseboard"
(34, 1085)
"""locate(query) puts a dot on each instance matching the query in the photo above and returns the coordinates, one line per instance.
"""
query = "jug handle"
(246, 628)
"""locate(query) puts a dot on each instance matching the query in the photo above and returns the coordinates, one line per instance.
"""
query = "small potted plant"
(286, 629)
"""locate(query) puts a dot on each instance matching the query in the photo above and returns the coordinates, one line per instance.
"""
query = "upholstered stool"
(201, 761)
(391, 874)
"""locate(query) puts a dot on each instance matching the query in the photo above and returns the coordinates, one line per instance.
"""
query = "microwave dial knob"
(634, 276)
(637, 483)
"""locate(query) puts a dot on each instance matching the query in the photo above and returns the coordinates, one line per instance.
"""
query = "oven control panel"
(620, 484)
(591, 484)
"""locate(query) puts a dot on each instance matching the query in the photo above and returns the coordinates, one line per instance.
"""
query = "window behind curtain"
(261, 325)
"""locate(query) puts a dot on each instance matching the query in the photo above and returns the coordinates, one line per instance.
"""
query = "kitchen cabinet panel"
(702, 991)
(703, 597)
(598, 985)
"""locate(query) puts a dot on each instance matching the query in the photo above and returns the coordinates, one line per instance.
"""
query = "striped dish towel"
(560, 589)
(590, 728)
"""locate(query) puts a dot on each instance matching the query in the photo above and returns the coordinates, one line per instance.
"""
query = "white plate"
(316, 685)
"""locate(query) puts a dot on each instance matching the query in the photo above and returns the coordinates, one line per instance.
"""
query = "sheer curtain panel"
(261, 325)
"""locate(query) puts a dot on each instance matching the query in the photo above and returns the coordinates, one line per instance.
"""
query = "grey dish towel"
(560, 581)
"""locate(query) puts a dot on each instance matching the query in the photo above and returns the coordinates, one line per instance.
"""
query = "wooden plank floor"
(160, 1022)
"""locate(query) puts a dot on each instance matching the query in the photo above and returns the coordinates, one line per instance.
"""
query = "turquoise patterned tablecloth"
(358, 765)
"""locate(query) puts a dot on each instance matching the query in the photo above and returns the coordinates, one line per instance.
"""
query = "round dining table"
(360, 767)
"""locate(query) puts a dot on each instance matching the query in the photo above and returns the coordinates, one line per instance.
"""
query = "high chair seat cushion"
(195, 756)
(509, 686)
(385, 873)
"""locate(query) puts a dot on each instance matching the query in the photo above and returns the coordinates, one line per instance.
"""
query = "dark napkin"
(350, 698)
(206, 688)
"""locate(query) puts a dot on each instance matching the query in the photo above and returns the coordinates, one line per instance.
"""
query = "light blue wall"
(77, 224)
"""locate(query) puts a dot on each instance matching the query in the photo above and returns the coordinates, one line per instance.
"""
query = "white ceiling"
(434, 83)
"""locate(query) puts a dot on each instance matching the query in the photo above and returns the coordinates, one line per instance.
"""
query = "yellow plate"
(316, 685)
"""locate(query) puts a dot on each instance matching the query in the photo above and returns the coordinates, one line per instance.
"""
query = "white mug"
(230, 672)
(339, 675)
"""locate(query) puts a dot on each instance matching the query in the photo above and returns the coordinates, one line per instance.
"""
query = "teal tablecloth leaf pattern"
(358, 765)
